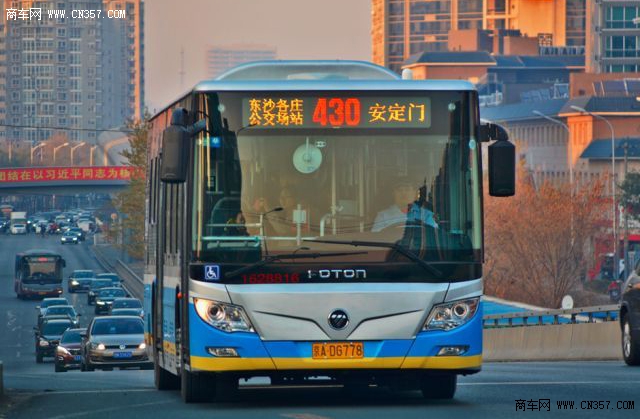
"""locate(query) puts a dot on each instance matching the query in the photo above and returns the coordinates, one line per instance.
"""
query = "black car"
(105, 297)
(128, 303)
(630, 317)
(68, 350)
(48, 336)
(61, 311)
(78, 232)
(48, 302)
(96, 285)
(80, 280)
(115, 279)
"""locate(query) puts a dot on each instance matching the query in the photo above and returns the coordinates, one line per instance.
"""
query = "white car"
(19, 229)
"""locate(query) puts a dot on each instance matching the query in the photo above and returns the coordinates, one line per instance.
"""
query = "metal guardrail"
(132, 283)
(592, 314)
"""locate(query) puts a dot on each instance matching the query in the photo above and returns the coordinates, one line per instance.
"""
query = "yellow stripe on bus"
(244, 364)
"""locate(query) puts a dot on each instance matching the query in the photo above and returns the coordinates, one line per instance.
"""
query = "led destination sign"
(336, 112)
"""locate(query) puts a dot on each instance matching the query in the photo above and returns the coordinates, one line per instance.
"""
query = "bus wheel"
(439, 386)
(163, 379)
(197, 388)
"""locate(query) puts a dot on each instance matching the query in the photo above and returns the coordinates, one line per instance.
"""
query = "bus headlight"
(448, 316)
(223, 316)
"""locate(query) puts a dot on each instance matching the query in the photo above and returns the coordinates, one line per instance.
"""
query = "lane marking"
(546, 383)
(133, 390)
(94, 412)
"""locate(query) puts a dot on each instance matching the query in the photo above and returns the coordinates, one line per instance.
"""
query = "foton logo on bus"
(337, 274)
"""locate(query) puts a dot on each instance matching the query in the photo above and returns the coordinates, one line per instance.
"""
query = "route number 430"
(337, 112)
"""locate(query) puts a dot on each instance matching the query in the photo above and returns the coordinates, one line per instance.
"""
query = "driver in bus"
(281, 222)
(409, 204)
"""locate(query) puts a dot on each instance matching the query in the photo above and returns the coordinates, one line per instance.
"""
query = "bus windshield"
(313, 187)
(41, 269)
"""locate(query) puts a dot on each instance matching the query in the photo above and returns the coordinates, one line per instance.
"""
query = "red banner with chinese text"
(61, 174)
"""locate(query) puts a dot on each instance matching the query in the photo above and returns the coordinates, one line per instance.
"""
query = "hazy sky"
(299, 29)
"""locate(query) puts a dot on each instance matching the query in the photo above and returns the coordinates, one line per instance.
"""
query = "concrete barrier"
(564, 342)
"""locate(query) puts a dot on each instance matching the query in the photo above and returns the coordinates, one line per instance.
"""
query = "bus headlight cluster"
(451, 315)
(223, 316)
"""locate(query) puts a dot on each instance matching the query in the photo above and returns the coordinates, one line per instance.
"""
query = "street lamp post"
(33, 149)
(569, 145)
(616, 268)
(55, 150)
(74, 149)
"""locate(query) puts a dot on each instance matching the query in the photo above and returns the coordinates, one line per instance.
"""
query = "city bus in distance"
(38, 273)
(318, 221)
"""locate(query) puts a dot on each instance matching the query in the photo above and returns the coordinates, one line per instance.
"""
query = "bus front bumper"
(422, 353)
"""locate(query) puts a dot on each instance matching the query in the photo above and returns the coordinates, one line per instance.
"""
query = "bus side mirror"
(64, 263)
(502, 160)
(175, 149)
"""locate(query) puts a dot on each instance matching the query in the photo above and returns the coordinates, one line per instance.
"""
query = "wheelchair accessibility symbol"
(211, 272)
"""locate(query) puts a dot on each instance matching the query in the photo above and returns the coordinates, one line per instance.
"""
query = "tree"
(631, 194)
(537, 242)
(130, 202)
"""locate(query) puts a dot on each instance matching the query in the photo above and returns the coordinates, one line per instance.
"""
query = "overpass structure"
(58, 180)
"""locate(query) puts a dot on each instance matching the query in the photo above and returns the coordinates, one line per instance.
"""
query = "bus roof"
(37, 252)
(316, 75)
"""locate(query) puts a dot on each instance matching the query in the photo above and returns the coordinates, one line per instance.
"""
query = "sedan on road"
(68, 350)
(69, 238)
(48, 336)
(115, 279)
(630, 317)
(130, 303)
(105, 297)
(48, 302)
(61, 311)
(80, 280)
(115, 341)
(95, 286)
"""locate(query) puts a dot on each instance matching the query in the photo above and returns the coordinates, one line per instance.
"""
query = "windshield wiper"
(273, 258)
(394, 246)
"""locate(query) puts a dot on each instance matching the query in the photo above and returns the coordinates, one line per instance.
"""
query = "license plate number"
(122, 354)
(341, 350)
(42, 293)
(77, 358)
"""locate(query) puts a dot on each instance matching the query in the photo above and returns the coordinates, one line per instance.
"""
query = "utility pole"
(181, 73)
(626, 215)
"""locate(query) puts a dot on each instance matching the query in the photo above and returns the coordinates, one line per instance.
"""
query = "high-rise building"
(72, 76)
(220, 58)
(401, 28)
(613, 36)
(123, 63)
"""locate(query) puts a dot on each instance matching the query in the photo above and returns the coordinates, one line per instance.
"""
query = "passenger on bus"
(409, 204)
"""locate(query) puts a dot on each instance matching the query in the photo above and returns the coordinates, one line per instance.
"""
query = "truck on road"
(18, 222)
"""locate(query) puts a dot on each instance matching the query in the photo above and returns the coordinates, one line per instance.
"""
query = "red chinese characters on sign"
(65, 174)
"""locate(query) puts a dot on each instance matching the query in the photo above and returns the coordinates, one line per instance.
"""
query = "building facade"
(71, 76)
(220, 58)
(401, 28)
(613, 36)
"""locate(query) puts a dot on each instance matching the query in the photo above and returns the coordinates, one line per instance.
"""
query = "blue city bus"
(318, 221)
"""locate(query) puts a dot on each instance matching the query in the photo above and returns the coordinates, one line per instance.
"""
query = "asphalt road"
(35, 391)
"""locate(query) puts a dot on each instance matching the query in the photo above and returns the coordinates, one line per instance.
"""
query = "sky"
(299, 29)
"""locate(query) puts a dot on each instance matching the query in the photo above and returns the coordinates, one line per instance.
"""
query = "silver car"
(114, 341)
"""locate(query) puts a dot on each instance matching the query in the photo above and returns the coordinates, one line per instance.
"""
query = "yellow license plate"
(338, 350)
